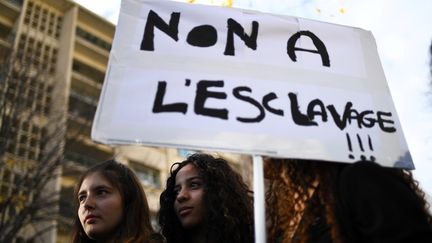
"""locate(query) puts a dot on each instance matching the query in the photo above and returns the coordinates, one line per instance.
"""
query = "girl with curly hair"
(315, 201)
(206, 201)
(112, 207)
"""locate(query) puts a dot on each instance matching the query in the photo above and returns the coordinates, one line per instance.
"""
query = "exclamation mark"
(372, 158)
(360, 143)
(362, 157)
(370, 143)
(349, 146)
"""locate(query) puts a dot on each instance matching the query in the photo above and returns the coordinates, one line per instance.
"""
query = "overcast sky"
(403, 35)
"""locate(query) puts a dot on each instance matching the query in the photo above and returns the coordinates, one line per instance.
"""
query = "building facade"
(57, 52)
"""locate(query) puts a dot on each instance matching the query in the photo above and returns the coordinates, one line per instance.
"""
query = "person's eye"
(102, 192)
(176, 191)
(81, 198)
(195, 185)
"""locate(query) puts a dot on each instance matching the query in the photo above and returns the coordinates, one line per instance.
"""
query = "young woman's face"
(100, 207)
(189, 204)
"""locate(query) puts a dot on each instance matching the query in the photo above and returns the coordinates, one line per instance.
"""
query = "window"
(147, 175)
(93, 39)
(185, 152)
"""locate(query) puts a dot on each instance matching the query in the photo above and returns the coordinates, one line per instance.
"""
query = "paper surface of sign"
(213, 78)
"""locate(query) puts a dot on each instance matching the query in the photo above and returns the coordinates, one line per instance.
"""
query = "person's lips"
(90, 218)
(183, 211)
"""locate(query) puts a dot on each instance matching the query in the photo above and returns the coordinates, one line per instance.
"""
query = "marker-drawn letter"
(158, 105)
(234, 27)
(365, 120)
(202, 93)
(320, 47)
(261, 115)
(297, 116)
(341, 122)
(311, 112)
(382, 121)
(202, 36)
(266, 100)
(153, 20)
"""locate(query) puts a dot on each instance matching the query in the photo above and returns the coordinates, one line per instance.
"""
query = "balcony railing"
(17, 3)
(89, 81)
(84, 98)
(81, 159)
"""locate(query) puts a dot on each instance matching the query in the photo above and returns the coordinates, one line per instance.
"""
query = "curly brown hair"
(228, 201)
(300, 193)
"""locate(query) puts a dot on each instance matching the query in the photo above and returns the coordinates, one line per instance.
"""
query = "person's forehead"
(188, 171)
(94, 180)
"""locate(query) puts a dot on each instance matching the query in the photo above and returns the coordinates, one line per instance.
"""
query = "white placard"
(214, 78)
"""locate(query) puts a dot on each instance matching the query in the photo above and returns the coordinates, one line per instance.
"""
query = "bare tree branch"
(32, 199)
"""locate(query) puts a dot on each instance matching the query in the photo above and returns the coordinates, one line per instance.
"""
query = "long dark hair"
(135, 225)
(228, 202)
(299, 192)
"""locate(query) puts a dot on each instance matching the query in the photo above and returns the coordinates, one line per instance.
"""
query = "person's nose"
(183, 195)
(89, 202)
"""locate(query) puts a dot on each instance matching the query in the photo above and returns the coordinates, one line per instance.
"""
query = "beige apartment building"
(66, 48)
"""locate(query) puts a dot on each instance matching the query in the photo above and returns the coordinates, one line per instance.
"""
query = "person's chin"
(93, 233)
(189, 224)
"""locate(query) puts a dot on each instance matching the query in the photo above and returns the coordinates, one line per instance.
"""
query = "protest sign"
(214, 78)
